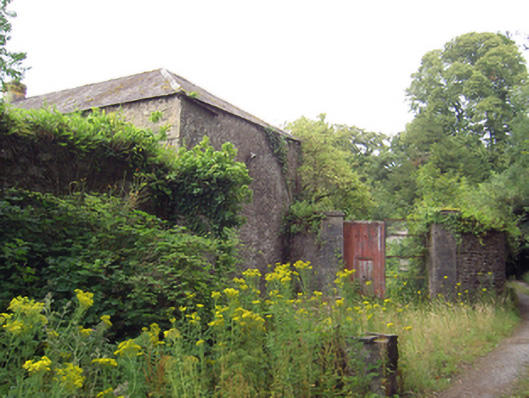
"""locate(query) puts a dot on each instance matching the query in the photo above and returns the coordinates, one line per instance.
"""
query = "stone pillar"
(442, 262)
(324, 250)
(381, 355)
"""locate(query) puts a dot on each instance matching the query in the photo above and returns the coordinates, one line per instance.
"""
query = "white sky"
(278, 60)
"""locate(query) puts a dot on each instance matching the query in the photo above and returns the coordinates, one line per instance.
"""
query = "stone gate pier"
(465, 264)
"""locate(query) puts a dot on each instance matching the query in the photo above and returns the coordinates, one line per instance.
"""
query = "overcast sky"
(278, 60)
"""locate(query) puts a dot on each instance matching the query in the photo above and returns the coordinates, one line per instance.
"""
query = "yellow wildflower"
(390, 324)
(194, 318)
(231, 293)
(252, 273)
(200, 342)
(111, 362)
(172, 334)
(25, 305)
(14, 327)
(128, 348)
(154, 334)
(106, 320)
(71, 378)
(85, 332)
(43, 365)
(215, 295)
(300, 265)
(85, 298)
(108, 393)
(52, 333)
(4, 317)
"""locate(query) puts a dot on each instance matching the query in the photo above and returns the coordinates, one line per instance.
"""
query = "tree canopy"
(10, 62)
(464, 91)
(327, 173)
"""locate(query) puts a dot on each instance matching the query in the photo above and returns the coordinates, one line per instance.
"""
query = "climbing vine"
(279, 147)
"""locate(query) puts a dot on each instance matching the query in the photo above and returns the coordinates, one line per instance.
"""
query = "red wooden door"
(365, 252)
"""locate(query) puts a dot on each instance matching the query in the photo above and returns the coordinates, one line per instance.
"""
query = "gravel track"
(496, 373)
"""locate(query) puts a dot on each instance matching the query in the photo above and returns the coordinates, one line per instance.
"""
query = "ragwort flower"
(43, 365)
(70, 377)
(86, 299)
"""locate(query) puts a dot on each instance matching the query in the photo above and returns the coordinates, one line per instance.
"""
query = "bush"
(47, 151)
(136, 264)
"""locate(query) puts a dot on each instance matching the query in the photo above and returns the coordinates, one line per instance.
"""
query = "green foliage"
(278, 144)
(479, 209)
(202, 187)
(114, 217)
(291, 345)
(102, 150)
(10, 62)
(326, 172)
(136, 264)
(304, 216)
(468, 84)
(204, 190)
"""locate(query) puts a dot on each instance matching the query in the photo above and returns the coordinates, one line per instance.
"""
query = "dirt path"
(495, 373)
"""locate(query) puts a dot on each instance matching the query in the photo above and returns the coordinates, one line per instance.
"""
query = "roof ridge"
(144, 85)
(172, 82)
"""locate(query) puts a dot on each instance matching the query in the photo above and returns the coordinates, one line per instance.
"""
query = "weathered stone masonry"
(468, 263)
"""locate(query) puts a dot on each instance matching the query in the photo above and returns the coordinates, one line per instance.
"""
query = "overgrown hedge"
(91, 202)
(46, 151)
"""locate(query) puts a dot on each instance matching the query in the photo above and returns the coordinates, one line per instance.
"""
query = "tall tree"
(464, 90)
(10, 62)
(326, 172)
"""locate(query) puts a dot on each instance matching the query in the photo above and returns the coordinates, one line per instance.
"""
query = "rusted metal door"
(365, 252)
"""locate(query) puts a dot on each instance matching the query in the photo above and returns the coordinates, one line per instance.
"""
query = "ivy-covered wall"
(465, 264)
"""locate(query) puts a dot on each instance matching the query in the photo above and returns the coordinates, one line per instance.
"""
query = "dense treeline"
(466, 148)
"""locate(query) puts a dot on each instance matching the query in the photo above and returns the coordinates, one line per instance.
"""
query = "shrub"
(136, 264)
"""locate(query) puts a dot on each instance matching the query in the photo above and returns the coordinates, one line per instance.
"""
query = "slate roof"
(153, 84)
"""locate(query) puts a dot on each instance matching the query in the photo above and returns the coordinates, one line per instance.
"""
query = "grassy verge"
(445, 337)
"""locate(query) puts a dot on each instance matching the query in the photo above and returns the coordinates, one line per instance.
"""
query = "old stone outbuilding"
(270, 154)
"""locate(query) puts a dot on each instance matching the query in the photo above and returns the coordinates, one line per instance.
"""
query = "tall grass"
(285, 342)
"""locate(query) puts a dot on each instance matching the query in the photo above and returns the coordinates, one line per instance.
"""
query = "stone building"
(270, 154)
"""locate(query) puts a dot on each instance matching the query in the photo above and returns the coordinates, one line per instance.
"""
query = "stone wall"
(481, 261)
(138, 113)
(469, 263)
(323, 249)
(273, 184)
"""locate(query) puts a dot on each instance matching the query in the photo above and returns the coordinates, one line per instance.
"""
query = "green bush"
(88, 201)
(136, 264)
(46, 151)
